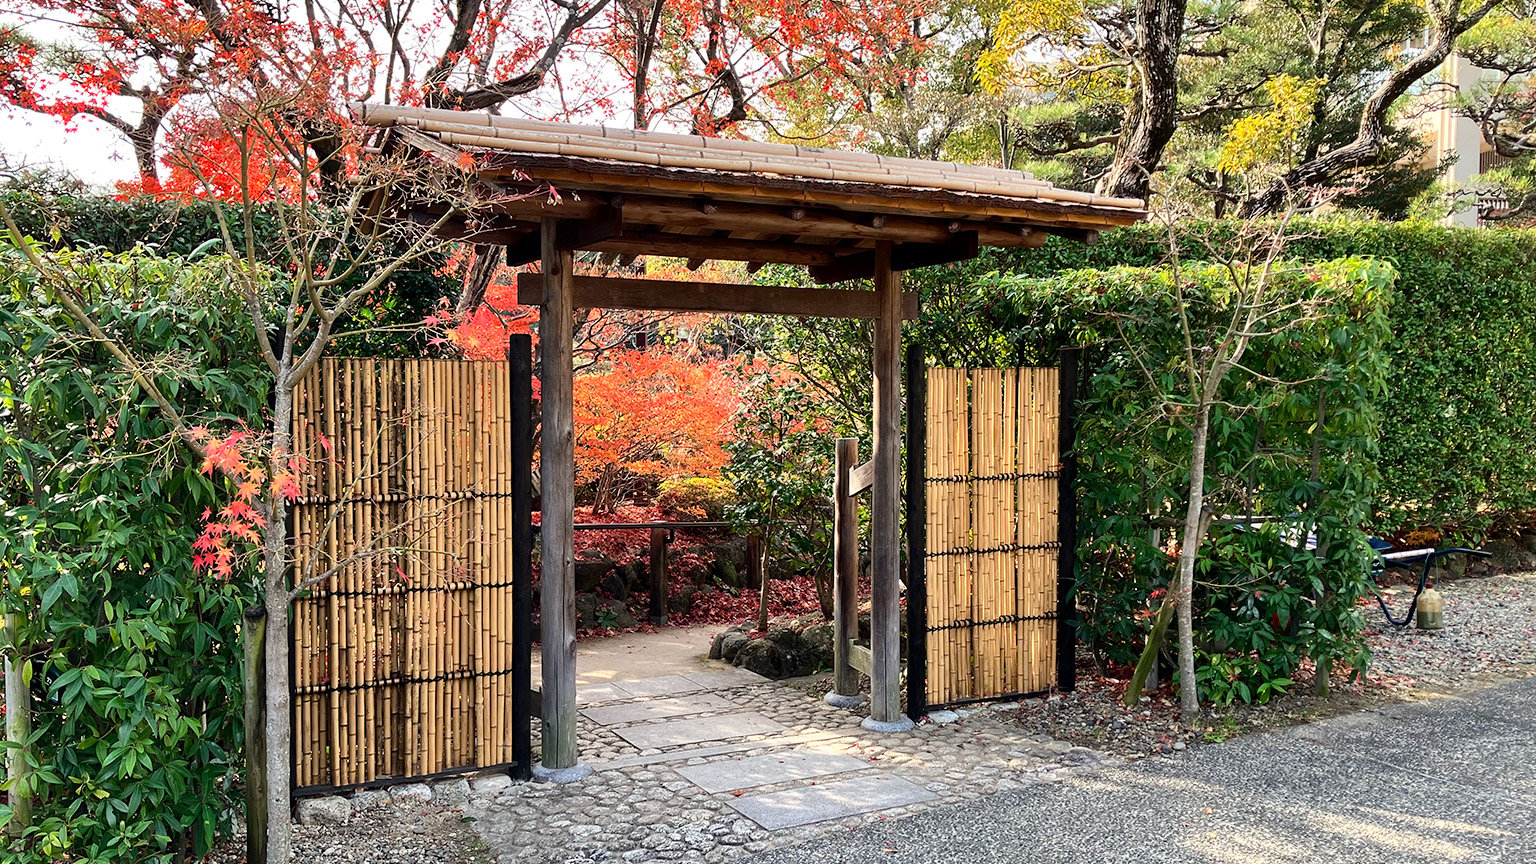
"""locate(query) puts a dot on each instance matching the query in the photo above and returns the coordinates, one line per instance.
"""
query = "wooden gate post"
(658, 569)
(917, 531)
(885, 534)
(520, 370)
(1066, 525)
(845, 578)
(557, 473)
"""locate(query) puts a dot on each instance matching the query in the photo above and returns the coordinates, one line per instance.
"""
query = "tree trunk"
(1149, 653)
(1370, 140)
(1189, 550)
(255, 739)
(1153, 115)
(18, 727)
(279, 726)
(757, 549)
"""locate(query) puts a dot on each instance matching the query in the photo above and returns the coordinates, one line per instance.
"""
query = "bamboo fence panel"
(403, 657)
(992, 470)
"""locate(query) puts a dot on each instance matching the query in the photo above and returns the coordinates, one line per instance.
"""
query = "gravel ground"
(389, 835)
(1490, 628)
(1490, 633)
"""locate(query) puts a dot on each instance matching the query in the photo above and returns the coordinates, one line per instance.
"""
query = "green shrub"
(1292, 438)
(695, 498)
(133, 664)
(183, 228)
(1458, 432)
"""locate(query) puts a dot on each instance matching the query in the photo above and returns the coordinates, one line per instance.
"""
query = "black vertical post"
(520, 365)
(1066, 526)
(917, 532)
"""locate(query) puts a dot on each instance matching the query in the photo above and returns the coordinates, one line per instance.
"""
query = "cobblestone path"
(714, 765)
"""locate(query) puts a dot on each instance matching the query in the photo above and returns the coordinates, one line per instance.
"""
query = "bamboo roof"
(695, 197)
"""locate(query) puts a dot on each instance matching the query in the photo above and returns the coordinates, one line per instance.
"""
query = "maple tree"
(649, 416)
(712, 65)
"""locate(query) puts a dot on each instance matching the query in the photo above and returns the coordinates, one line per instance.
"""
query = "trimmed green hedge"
(1293, 437)
(1458, 433)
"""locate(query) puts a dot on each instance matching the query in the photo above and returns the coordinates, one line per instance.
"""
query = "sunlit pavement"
(1452, 779)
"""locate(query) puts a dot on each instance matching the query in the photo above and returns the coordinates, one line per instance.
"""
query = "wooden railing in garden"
(405, 660)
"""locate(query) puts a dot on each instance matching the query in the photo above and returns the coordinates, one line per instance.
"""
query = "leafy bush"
(1458, 433)
(119, 224)
(1292, 439)
(133, 668)
(695, 498)
(780, 465)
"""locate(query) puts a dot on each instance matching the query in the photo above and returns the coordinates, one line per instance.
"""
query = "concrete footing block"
(901, 724)
(579, 771)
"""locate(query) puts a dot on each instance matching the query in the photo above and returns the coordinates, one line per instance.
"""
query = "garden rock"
(367, 799)
(731, 643)
(417, 792)
(820, 638)
(451, 793)
(330, 810)
(490, 785)
(614, 585)
(681, 600)
(590, 572)
(782, 653)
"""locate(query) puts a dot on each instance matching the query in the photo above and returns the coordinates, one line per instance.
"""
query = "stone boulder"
(783, 653)
(590, 572)
(330, 810)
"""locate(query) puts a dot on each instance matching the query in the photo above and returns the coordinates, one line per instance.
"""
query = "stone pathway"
(713, 765)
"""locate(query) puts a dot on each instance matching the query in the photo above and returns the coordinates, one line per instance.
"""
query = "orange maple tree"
(650, 416)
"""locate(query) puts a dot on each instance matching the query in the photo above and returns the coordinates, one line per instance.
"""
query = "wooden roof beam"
(906, 256)
(597, 292)
(724, 249)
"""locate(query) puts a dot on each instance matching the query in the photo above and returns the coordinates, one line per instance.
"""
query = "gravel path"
(1490, 628)
(398, 834)
(1490, 632)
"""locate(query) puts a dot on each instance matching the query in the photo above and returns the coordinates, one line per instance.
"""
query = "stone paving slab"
(656, 709)
(792, 808)
(725, 679)
(666, 685)
(680, 733)
(769, 768)
(594, 694)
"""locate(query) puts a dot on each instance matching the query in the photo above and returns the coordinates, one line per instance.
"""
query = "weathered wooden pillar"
(658, 567)
(557, 473)
(885, 512)
(845, 578)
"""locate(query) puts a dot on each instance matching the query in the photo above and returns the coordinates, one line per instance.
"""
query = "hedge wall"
(1293, 439)
(80, 221)
(130, 654)
(1458, 437)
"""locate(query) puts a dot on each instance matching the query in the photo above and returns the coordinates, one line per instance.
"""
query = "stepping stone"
(590, 694)
(808, 804)
(679, 733)
(666, 685)
(770, 768)
(656, 709)
(724, 679)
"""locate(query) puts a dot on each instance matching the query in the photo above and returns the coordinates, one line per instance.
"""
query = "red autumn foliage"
(650, 416)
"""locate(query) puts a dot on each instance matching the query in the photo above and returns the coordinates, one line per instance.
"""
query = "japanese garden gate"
(624, 193)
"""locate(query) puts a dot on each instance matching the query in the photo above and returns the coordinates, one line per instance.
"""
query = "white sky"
(90, 150)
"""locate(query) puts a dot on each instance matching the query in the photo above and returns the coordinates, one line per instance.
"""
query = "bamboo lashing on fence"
(403, 657)
(992, 473)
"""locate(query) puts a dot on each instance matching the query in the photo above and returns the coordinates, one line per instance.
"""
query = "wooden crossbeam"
(860, 658)
(904, 256)
(597, 292)
(717, 248)
(861, 478)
